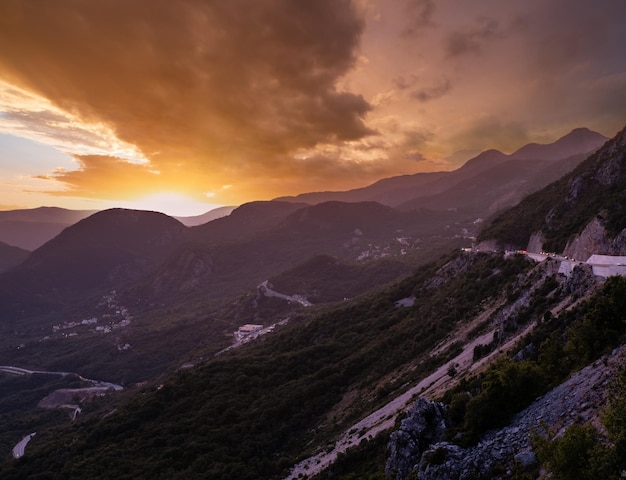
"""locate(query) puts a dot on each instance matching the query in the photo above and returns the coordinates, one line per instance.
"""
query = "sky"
(184, 106)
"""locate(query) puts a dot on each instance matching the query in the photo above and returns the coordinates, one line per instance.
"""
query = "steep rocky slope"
(419, 445)
(592, 197)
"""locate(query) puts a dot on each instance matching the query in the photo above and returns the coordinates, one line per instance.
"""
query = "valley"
(292, 340)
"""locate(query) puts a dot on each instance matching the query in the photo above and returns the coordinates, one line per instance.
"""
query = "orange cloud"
(101, 176)
(279, 96)
(227, 87)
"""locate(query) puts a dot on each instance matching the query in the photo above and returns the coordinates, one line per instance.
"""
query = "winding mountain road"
(23, 371)
(18, 449)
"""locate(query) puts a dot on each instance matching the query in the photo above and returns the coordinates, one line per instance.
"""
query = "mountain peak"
(136, 230)
(484, 160)
(579, 140)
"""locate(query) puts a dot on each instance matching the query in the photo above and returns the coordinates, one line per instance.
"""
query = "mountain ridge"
(396, 191)
(557, 214)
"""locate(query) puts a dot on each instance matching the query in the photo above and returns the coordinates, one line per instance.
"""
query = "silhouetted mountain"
(513, 177)
(11, 256)
(497, 186)
(248, 219)
(31, 228)
(492, 180)
(482, 161)
(102, 251)
(205, 217)
(579, 140)
(388, 191)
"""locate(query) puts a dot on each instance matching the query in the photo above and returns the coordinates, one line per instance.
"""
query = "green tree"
(577, 455)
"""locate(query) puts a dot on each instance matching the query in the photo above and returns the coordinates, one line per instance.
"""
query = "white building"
(607, 265)
(247, 330)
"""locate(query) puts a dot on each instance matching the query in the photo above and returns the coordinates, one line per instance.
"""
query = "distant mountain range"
(583, 212)
(484, 184)
(11, 256)
(205, 217)
(31, 228)
(239, 247)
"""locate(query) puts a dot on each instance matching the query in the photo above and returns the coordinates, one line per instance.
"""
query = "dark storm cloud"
(473, 40)
(208, 85)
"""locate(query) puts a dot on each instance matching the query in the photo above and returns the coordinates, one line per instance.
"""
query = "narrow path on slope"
(385, 417)
(24, 371)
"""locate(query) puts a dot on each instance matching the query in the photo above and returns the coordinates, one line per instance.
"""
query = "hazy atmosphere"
(184, 106)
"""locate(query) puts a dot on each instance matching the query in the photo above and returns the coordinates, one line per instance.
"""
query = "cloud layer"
(215, 88)
(244, 99)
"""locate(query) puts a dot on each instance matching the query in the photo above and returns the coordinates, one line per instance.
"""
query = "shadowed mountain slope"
(324, 278)
(240, 251)
(595, 189)
(102, 251)
(474, 186)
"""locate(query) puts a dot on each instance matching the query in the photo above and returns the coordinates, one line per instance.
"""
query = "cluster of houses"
(115, 318)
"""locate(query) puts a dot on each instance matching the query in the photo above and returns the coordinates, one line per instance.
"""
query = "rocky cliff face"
(594, 239)
(423, 426)
(415, 449)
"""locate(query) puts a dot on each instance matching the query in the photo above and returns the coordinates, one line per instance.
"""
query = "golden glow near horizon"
(188, 105)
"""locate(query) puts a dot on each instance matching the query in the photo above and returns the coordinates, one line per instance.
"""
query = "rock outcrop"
(578, 400)
(594, 239)
(535, 243)
(424, 425)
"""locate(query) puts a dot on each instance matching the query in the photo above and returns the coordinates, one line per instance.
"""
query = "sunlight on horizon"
(171, 203)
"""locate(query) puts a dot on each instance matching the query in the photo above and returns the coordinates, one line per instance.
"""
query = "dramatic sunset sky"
(189, 104)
